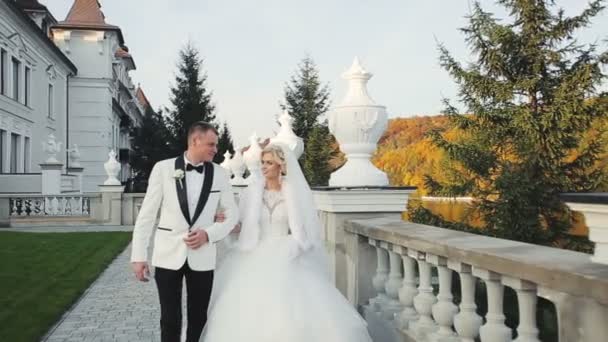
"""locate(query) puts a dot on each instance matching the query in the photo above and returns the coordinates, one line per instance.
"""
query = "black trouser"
(198, 286)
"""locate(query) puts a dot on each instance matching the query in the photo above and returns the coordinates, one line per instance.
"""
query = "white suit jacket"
(169, 194)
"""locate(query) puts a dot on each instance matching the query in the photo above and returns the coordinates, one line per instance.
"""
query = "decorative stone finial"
(74, 155)
(357, 123)
(112, 167)
(287, 136)
(238, 167)
(52, 148)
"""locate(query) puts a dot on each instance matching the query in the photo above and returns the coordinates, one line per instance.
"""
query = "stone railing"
(391, 267)
(50, 205)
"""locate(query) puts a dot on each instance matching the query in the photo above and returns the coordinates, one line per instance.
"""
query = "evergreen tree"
(190, 98)
(317, 156)
(529, 94)
(225, 143)
(307, 101)
(150, 143)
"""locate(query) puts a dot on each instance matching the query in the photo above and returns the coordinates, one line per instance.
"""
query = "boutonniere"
(179, 175)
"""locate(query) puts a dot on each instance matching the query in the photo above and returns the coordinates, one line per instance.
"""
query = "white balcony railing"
(394, 267)
(44, 206)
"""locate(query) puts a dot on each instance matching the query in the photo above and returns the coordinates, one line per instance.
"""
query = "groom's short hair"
(202, 127)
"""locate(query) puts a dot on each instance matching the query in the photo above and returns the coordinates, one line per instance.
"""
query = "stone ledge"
(553, 268)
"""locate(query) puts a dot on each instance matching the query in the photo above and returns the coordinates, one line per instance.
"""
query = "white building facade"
(70, 79)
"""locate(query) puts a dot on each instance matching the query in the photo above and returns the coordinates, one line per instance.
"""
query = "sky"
(252, 48)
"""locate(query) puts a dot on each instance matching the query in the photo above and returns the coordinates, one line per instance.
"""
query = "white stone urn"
(226, 163)
(238, 167)
(51, 147)
(112, 167)
(74, 155)
(287, 136)
(358, 123)
(253, 157)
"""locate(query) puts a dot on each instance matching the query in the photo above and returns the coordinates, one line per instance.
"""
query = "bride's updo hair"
(278, 155)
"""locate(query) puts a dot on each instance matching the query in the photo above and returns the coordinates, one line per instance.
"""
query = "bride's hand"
(236, 229)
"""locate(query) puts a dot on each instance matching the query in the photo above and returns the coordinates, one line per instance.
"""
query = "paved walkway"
(115, 308)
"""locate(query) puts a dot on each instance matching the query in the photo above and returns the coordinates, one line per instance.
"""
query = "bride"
(274, 284)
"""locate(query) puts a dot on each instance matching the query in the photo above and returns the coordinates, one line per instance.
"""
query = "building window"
(2, 145)
(27, 82)
(51, 102)
(14, 152)
(26, 155)
(3, 66)
(16, 67)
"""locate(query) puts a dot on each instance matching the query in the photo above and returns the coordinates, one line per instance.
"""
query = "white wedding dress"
(266, 294)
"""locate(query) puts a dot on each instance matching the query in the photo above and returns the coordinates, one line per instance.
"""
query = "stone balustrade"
(400, 275)
(50, 206)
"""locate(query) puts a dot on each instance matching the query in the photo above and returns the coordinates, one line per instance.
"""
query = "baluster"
(54, 206)
(38, 208)
(408, 290)
(14, 209)
(85, 206)
(495, 329)
(527, 330)
(392, 285)
(467, 322)
(445, 309)
(380, 277)
(424, 301)
(79, 205)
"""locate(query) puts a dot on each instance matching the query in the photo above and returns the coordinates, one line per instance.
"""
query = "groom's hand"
(196, 238)
(141, 270)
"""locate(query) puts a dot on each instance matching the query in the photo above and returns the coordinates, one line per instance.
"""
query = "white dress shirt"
(194, 185)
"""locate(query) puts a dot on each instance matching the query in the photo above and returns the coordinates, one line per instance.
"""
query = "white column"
(408, 290)
(425, 299)
(20, 154)
(467, 322)
(527, 330)
(445, 309)
(6, 163)
(380, 277)
(495, 329)
(395, 278)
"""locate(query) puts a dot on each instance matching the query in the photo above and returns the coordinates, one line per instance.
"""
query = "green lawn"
(43, 274)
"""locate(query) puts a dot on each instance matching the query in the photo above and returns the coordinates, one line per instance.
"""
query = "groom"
(188, 190)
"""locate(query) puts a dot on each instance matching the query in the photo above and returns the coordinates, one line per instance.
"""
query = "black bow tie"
(199, 169)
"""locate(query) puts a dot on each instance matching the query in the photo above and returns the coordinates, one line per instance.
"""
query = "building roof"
(87, 15)
(30, 5)
(141, 97)
(19, 13)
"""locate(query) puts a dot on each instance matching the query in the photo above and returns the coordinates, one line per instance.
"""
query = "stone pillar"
(111, 193)
(77, 171)
(5, 211)
(336, 206)
(51, 168)
(111, 204)
(51, 178)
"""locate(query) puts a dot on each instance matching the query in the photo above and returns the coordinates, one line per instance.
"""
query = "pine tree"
(150, 143)
(305, 99)
(317, 156)
(307, 102)
(529, 94)
(190, 98)
(225, 143)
